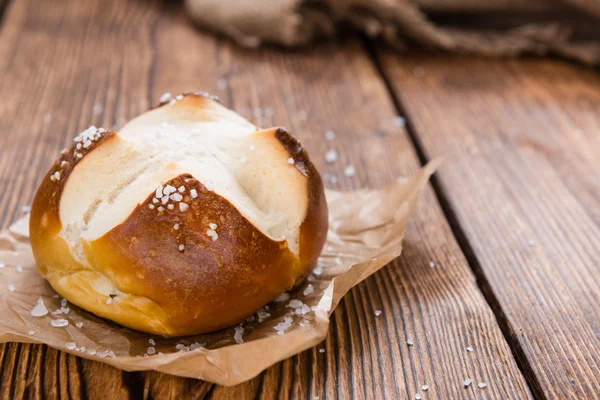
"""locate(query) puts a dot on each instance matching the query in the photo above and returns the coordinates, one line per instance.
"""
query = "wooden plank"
(522, 178)
(121, 55)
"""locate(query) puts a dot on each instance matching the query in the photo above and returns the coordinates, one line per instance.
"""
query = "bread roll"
(185, 221)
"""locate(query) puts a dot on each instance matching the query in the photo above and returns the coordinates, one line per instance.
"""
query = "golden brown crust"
(44, 221)
(138, 275)
(313, 231)
(208, 285)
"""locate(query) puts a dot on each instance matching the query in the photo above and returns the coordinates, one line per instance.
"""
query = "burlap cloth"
(569, 28)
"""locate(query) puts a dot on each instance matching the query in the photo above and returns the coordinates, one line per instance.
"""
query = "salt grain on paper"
(377, 313)
(409, 342)
(239, 332)
(59, 323)
(295, 304)
(467, 382)
(70, 345)
(425, 387)
(308, 290)
(482, 385)
(469, 349)
(11, 288)
(283, 326)
(31, 333)
(318, 270)
(418, 396)
(40, 309)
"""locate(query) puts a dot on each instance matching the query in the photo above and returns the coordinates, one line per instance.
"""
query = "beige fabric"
(492, 27)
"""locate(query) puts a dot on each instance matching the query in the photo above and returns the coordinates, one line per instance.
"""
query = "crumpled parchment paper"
(366, 232)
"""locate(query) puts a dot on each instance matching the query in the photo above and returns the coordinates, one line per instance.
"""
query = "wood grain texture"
(118, 57)
(522, 180)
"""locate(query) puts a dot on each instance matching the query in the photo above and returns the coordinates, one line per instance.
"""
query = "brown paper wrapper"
(366, 232)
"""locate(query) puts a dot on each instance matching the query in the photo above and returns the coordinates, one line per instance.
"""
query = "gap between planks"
(482, 282)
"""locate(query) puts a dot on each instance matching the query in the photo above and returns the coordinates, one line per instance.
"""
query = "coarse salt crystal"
(159, 192)
(181, 189)
(27, 209)
(152, 342)
(179, 97)
(59, 323)
(262, 315)
(215, 237)
(165, 97)
(79, 324)
(211, 232)
(331, 156)
(83, 349)
(40, 309)
(209, 186)
(305, 309)
(79, 155)
(418, 396)
(70, 345)
(349, 171)
(399, 121)
(171, 207)
(282, 298)
(409, 342)
(151, 206)
(193, 193)
(183, 207)
(482, 385)
(155, 200)
(180, 346)
(469, 349)
(295, 303)
(19, 268)
(109, 300)
(425, 387)
(431, 264)
(238, 336)
(164, 200)
(212, 226)
(377, 313)
(11, 288)
(196, 345)
(176, 227)
(467, 382)
(176, 197)
(308, 290)
(290, 160)
(31, 332)
(318, 270)
(161, 209)
(321, 350)
(91, 352)
(102, 354)
(169, 189)
(151, 350)
(181, 247)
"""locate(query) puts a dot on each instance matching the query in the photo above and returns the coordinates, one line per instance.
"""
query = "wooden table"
(510, 223)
